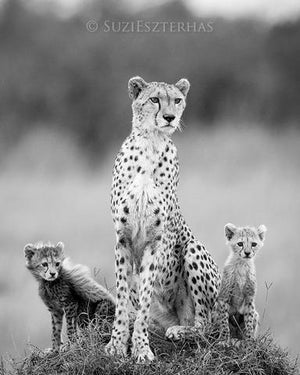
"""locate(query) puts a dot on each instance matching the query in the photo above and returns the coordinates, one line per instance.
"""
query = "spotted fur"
(166, 274)
(67, 289)
(236, 298)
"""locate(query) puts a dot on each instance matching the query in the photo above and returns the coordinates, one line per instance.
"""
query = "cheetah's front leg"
(120, 333)
(148, 271)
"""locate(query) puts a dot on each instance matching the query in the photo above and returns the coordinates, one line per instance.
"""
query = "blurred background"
(64, 111)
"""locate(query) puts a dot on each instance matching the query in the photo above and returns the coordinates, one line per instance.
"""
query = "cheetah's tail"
(80, 278)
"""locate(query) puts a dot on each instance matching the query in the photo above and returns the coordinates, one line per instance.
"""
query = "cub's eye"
(57, 264)
(240, 244)
(254, 244)
(154, 99)
(45, 264)
(178, 100)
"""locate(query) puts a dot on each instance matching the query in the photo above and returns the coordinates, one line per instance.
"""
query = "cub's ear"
(135, 86)
(183, 85)
(29, 251)
(230, 230)
(261, 230)
(60, 247)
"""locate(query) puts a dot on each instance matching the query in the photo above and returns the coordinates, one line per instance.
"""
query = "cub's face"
(157, 105)
(44, 260)
(245, 241)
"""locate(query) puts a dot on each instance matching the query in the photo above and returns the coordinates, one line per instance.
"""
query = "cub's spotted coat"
(67, 290)
(236, 299)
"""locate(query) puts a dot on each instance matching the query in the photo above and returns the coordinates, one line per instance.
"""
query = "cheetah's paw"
(113, 348)
(175, 332)
(142, 355)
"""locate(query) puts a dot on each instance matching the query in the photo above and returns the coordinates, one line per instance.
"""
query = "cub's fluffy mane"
(79, 277)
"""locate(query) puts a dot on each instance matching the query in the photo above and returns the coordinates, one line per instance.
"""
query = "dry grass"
(202, 355)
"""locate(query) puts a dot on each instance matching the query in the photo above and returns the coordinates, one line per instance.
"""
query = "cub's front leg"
(251, 319)
(56, 320)
(71, 309)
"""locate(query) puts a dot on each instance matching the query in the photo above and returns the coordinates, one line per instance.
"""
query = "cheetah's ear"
(29, 251)
(183, 85)
(135, 86)
(230, 230)
(261, 230)
(60, 247)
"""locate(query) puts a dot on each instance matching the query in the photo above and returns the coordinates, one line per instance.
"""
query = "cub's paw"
(230, 342)
(224, 343)
(236, 343)
(65, 347)
(48, 351)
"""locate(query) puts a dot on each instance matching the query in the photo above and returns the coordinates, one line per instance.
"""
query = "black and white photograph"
(149, 187)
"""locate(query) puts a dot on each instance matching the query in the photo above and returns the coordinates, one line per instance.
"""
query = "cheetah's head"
(245, 241)
(44, 260)
(157, 105)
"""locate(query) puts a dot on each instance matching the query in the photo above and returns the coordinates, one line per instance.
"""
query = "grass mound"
(199, 355)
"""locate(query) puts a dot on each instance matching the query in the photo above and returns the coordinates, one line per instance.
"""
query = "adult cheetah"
(160, 267)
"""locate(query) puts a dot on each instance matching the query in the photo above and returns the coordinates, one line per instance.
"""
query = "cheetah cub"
(67, 290)
(236, 299)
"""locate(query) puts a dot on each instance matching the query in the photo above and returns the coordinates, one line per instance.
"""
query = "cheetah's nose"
(52, 274)
(169, 118)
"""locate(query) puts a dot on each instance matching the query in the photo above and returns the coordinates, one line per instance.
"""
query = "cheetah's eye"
(154, 99)
(57, 264)
(178, 100)
(254, 244)
(45, 264)
(240, 244)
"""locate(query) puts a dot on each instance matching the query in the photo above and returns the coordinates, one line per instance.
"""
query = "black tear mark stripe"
(159, 104)
(159, 108)
(156, 114)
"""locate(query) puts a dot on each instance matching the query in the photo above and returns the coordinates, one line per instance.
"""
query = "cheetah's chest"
(144, 185)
